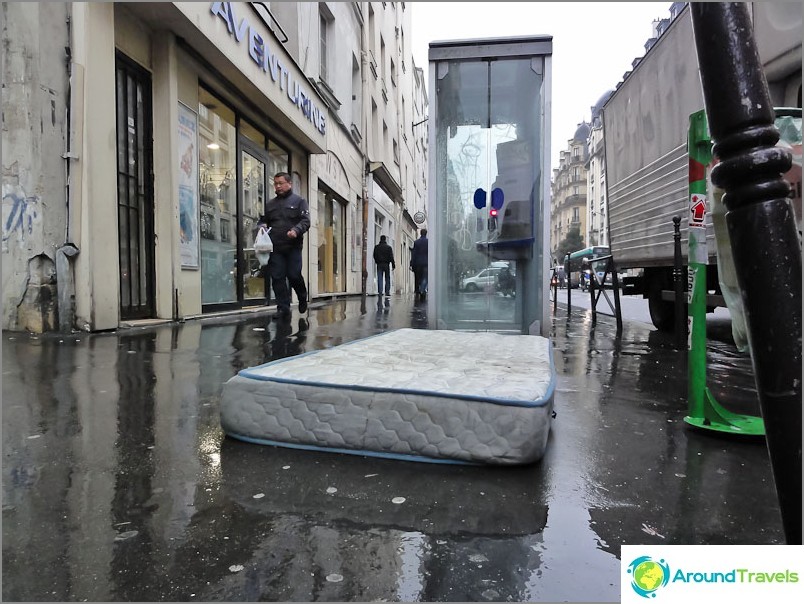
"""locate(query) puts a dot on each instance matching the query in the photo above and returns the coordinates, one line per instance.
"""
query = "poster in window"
(188, 187)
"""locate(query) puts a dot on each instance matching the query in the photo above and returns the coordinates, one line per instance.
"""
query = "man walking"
(288, 215)
(384, 257)
(418, 264)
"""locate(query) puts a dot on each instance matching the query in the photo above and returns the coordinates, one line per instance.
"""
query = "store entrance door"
(253, 161)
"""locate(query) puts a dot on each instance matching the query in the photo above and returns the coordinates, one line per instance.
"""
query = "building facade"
(597, 226)
(568, 190)
(140, 143)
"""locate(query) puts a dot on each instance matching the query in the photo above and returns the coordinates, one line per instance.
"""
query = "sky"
(594, 44)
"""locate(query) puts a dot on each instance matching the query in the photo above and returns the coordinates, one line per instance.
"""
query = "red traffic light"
(493, 212)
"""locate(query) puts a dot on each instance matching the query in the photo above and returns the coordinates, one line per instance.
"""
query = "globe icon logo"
(648, 575)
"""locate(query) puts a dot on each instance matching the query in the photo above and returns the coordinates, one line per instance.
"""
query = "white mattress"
(424, 395)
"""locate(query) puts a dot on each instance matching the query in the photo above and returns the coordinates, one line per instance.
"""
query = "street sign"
(697, 210)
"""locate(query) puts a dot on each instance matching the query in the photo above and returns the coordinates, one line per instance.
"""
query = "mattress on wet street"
(421, 395)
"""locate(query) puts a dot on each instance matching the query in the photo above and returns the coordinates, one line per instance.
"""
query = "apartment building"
(568, 189)
(140, 141)
(597, 230)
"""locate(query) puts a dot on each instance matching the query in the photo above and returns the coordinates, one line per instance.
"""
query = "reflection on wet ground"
(119, 485)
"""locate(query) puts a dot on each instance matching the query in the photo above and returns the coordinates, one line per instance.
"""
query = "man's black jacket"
(283, 214)
(384, 254)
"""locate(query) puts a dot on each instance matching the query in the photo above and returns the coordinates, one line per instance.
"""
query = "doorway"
(254, 163)
(135, 199)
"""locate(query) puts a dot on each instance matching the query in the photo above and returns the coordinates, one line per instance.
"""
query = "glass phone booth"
(488, 190)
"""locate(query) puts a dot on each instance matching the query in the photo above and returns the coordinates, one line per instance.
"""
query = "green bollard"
(704, 411)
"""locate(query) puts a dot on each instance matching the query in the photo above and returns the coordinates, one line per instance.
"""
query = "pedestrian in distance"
(288, 215)
(384, 257)
(418, 264)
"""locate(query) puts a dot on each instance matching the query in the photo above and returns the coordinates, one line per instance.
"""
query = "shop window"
(218, 197)
(331, 220)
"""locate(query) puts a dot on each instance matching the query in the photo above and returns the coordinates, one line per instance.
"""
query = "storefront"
(226, 108)
(338, 225)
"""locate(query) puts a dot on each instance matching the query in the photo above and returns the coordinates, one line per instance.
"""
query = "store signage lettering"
(269, 62)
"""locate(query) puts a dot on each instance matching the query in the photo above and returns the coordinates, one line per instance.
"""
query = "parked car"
(485, 279)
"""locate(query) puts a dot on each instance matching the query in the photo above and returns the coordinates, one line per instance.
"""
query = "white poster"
(188, 187)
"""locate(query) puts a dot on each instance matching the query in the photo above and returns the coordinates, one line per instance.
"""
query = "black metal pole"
(678, 284)
(569, 283)
(592, 277)
(762, 227)
(615, 281)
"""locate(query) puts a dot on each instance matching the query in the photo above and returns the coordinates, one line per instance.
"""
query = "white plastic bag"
(263, 246)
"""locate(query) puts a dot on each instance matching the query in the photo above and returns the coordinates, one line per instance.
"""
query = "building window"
(371, 29)
(324, 22)
(357, 93)
(396, 152)
(375, 131)
(393, 72)
(382, 58)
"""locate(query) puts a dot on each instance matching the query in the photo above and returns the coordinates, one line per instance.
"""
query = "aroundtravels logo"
(648, 575)
(671, 574)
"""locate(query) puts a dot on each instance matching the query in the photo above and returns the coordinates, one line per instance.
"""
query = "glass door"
(253, 161)
(331, 219)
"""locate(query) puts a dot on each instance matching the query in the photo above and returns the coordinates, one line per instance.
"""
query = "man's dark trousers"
(384, 270)
(284, 267)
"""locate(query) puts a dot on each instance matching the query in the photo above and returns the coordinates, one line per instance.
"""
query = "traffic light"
(492, 219)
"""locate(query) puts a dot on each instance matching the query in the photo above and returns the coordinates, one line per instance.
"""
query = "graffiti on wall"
(20, 213)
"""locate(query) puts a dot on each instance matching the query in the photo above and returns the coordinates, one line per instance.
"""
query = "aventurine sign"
(269, 62)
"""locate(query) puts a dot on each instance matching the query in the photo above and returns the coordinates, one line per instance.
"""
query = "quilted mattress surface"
(423, 395)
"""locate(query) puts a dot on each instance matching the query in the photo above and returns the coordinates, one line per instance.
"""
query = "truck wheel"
(662, 313)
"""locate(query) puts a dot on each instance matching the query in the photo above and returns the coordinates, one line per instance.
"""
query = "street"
(119, 485)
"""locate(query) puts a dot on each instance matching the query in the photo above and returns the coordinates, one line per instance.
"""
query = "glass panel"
(253, 208)
(278, 160)
(251, 133)
(142, 271)
(322, 240)
(218, 219)
(125, 276)
(139, 125)
(487, 175)
(338, 238)
(134, 254)
(122, 131)
(131, 112)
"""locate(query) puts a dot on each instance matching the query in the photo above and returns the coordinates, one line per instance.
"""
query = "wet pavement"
(118, 484)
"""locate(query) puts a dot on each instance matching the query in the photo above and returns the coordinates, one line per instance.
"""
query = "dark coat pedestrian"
(384, 257)
(288, 215)
(418, 264)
